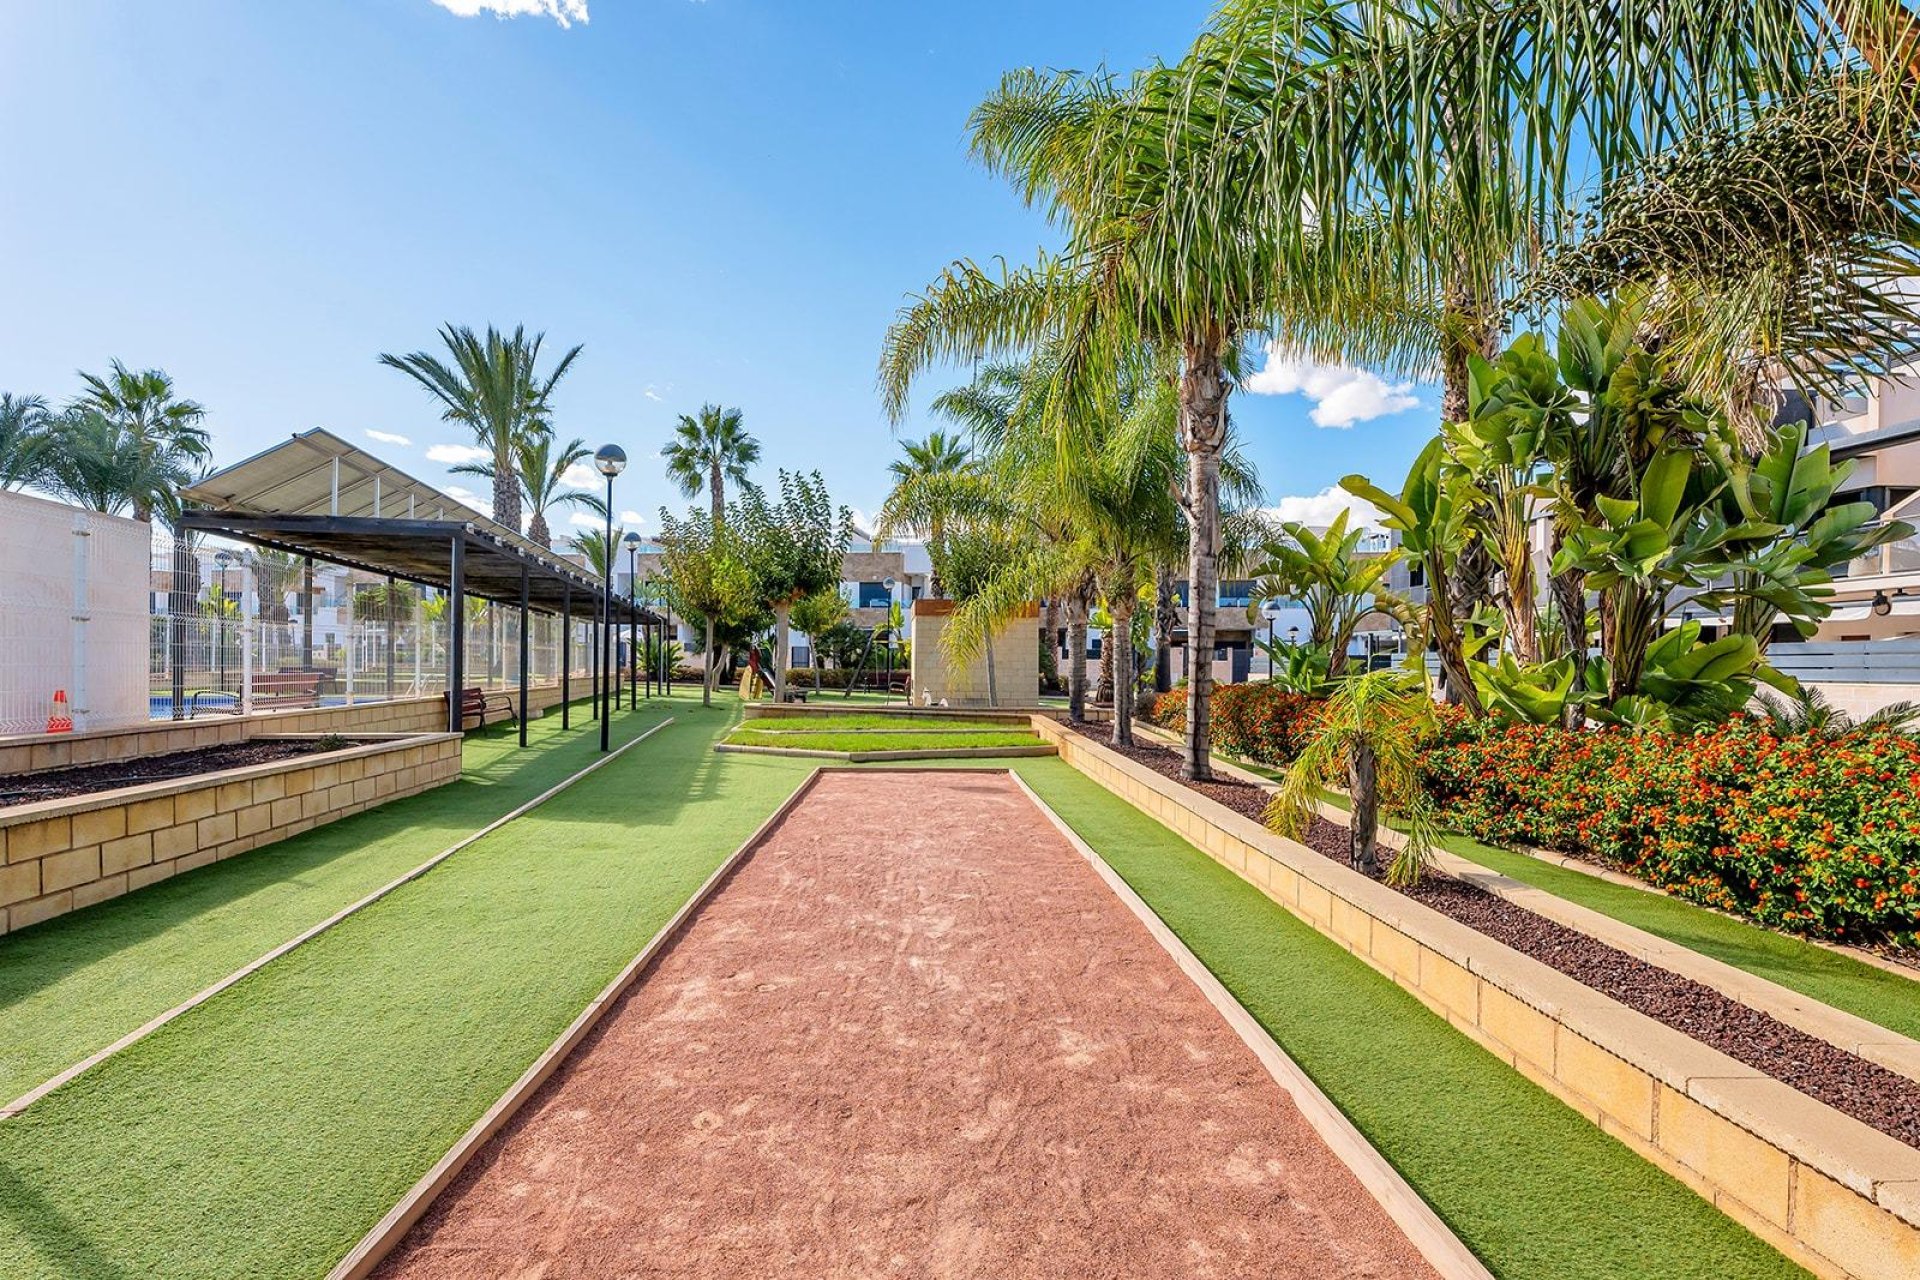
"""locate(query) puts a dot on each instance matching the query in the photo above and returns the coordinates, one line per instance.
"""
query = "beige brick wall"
(1016, 662)
(62, 855)
(1835, 1196)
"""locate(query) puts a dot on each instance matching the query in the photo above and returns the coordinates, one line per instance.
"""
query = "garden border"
(1417, 1220)
(385, 1234)
(884, 757)
(1834, 1195)
(192, 1002)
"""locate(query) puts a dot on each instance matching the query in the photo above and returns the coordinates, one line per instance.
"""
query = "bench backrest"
(286, 682)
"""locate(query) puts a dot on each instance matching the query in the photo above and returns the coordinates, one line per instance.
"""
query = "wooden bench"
(271, 689)
(478, 704)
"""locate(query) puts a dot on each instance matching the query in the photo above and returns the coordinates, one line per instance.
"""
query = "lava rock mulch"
(59, 784)
(1870, 1093)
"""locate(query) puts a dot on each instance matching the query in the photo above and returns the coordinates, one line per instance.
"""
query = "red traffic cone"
(61, 721)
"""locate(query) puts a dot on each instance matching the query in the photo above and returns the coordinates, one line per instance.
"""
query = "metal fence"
(230, 624)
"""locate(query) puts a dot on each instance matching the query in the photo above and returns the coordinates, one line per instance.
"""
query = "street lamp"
(1293, 637)
(890, 584)
(633, 628)
(1272, 611)
(609, 460)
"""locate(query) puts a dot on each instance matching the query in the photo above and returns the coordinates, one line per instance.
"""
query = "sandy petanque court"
(914, 1035)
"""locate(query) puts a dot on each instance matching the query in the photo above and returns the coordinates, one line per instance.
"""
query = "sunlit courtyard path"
(913, 1034)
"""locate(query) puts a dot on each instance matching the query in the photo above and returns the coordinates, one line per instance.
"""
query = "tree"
(541, 472)
(151, 419)
(492, 386)
(1332, 580)
(792, 548)
(709, 450)
(25, 426)
(1367, 738)
(938, 455)
(99, 463)
(592, 546)
(707, 582)
(816, 616)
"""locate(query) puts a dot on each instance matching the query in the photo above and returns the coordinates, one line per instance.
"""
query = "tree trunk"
(538, 532)
(1103, 688)
(707, 670)
(1203, 434)
(1570, 601)
(1362, 787)
(1077, 657)
(781, 639)
(1050, 645)
(717, 493)
(1456, 680)
(1163, 624)
(936, 552)
(1120, 646)
(506, 489)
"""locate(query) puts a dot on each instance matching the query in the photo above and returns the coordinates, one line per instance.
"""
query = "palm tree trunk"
(717, 493)
(1457, 681)
(538, 532)
(1203, 433)
(506, 488)
(1050, 644)
(936, 552)
(782, 637)
(1077, 657)
(1362, 786)
(1163, 624)
(1120, 646)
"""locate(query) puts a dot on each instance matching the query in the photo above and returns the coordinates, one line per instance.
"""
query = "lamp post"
(632, 541)
(610, 460)
(890, 585)
(1273, 616)
(223, 558)
(1293, 637)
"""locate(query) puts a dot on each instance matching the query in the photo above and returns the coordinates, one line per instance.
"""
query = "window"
(1180, 593)
(872, 595)
(1416, 574)
(1236, 591)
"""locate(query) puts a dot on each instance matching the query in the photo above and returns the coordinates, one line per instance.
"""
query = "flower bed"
(1253, 721)
(1818, 836)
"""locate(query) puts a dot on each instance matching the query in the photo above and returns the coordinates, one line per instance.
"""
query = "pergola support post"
(566, 656)
(526, 598)
(306, 615)
(456, 632)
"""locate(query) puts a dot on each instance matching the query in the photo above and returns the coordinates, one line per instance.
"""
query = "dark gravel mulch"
(58, 784)
(1870, 1093)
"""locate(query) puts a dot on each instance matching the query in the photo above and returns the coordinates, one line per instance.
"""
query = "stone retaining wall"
(1839, 1198)
(57, 856)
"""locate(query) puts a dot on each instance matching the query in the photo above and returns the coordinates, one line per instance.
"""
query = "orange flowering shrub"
(1253, 721)
(1816, 835)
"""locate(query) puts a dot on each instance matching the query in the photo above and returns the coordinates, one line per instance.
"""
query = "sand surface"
(914, 1035)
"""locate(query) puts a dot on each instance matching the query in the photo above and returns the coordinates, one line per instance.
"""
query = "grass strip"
(264, 1133)
(75, 984)
(896, 724)
(868, 741)
(1529, 1184)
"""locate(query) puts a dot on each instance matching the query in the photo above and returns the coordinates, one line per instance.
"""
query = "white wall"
(73, 615)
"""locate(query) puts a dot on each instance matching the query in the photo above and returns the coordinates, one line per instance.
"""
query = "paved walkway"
(915, 1035)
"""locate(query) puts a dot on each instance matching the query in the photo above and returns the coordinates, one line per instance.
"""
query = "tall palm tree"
(98, 462)
(151, 418)
(541, 473)
(24, 424)
(493, 386)
(707, 451)
(940, 454)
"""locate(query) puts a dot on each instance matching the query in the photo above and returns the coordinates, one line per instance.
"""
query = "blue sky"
(722, 199)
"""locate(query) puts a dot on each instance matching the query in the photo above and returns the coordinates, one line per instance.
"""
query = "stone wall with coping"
(1837, 1197)
(57, 856)
(1016, 662)
(24, 753)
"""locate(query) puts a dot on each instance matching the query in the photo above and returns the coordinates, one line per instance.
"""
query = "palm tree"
(707, 451)
(24, 425)
(592, 546)
(151, 419)
(541, 474)
(493, 387)
(100, 463)
(939, 454)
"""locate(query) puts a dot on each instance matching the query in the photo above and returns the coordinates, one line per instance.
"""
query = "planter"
(57, 856)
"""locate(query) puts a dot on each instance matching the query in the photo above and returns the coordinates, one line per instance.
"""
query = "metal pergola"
(321, 498)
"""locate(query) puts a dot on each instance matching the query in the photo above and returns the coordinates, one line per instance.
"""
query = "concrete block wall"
(1016, 662)
(1837, 1197)
(60, 855)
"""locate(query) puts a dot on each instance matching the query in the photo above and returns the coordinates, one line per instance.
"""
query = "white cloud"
(564, 12)
(632, 519)
(1341, 394)
(582, 476)
(387, 437)
(587, 520)
(1319, 509)
(469, 497)
(651, 394)
(453, 453)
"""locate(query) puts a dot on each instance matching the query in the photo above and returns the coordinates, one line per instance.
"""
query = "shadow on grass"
(58, 1238)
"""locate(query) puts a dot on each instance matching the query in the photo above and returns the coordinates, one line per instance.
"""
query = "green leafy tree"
(707, 451)
(793, 548)
(25, 434)
(144, 406)
(817, 616)
(1333, 580)
(492, 385)
(707, 582)
(100, 463)
(1367, 739)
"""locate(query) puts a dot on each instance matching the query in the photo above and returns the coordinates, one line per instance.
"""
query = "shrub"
(1168, 710)
(1819, 836)
(1256, 722)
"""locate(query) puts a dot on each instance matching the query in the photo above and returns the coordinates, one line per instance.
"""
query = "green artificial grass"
(857, 722)
(870, 741)
(1529, 1184)
(79, 982)
(264, 1133)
